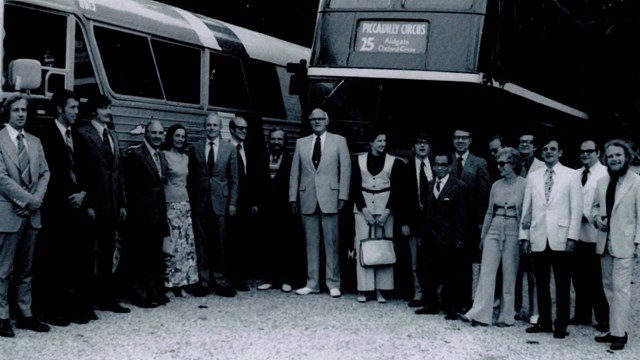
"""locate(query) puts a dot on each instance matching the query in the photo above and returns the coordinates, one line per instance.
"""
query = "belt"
(504, 211)
(376, 191)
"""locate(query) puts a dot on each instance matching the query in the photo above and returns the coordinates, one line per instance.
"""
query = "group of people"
(184, 215)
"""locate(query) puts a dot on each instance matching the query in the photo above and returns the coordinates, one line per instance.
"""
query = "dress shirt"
(13, 134)
(274, 164)
(323, 137)
(427, 170)
(216, 143)
(100, 127)
(63, 130)
(443, 182)
(464, 157)
(153, 153)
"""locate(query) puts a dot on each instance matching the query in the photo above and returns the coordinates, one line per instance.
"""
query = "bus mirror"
(25, 74)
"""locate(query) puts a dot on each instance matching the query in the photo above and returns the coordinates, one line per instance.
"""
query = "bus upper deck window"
(440, 4)
(359, 4)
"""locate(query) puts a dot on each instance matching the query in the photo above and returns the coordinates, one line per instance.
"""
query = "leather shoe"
(306, 291)
(415, 303)
(225, 292)
(560, 334)
(145, 304)
(240, 286)
(608, 338)
(618, 343)
(5, 328)
(265, 286)
(199, 291)
(114, 307)
(428, 310)
(162, 299)
(451, 315)
(91, 315)
(286, 288)
(55, 320)
(536, 329)
(463, 317)
(77, 317)
(33, 324)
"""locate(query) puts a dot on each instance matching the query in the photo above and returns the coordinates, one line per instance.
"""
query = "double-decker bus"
(152, 60)
(496, 67)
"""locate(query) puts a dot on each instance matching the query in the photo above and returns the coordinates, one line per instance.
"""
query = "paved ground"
(274, 325)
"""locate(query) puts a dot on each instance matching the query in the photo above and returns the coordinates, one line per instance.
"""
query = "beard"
(276, 149)
(619, 172)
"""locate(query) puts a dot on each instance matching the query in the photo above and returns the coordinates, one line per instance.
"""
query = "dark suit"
(445, 218)
(65, 266)
(18, 233)
(99, 173)
(210, 196)
(475, 175)
(147, 222)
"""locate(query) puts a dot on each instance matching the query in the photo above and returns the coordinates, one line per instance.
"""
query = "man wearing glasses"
(527, 148)
(586, 272)
(474, 172)
(319, 183)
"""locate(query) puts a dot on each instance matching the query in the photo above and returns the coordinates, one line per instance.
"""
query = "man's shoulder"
(477, 159)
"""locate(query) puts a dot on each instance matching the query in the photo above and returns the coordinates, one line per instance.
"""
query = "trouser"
(414, 248)
(543, 262)
(616, 281)
(209, 231)
(322, 227)
(587, 281)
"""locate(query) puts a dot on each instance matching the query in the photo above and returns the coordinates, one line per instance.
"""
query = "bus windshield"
(407, 4)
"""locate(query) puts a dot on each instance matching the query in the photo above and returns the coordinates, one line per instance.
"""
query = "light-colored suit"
(18, 234)
(558, 219)
(318, 191)
(618, 245)
(588, 231)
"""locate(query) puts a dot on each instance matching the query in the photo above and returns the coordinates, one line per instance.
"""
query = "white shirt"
(13, 134)
(323, 137)
(443, 182)
(100, 128)
(216, 143)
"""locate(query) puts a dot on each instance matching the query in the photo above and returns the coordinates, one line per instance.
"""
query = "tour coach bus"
(152, 60)
(421, 64)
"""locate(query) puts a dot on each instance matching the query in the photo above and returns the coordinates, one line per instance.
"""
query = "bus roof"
(170, 22)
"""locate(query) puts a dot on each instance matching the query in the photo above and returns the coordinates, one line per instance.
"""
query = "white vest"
(376, 189)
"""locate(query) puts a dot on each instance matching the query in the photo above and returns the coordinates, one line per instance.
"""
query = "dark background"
(612, 27)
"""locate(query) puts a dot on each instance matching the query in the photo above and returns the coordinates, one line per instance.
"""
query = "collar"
(235, 143)
(62, 128)
(426, 162)
(216, 141)
(99, 126)
(150, 148)
(13, 133)
(464, 156)
(323, 137)
(442, 181)
(554, 168)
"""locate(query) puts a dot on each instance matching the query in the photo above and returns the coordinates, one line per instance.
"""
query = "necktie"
(69, 142)
(548, 183)
(460, 166)
(317, 152)
(107, 145)
(437, 189)
(241, 169)
(156, 159)
(610, 196)
(211, 158)
(273, 166)
(23, 161)
(585, 176)
(423, 184)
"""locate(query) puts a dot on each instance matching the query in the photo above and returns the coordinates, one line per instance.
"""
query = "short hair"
(466, 129)
(232, 123)
(549, 138)
(61, 97)
(212, 114)
(6, 107)
(97, 102)
(168, 139)
(372, 134)
(421, 136)
(497, 137)
(324, 113)
(513, 155)
(628, 151)
(443, 153)
(277, 129)
(593, 141)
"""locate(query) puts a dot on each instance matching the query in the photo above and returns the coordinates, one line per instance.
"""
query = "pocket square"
(446, 199)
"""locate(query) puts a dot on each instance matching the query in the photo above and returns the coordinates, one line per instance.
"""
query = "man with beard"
(280, 247)
(616, 212)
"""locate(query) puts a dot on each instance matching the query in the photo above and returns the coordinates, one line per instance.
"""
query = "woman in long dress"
(500, 244)
(182, 269)
(372, 178)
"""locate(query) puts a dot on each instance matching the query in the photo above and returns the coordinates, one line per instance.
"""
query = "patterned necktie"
(460, 166)
(69, 142)
(156, 159)
(585, 176)
(23, 161)
(211, 158)
(423, 184)
(548, 183)
(317, 153)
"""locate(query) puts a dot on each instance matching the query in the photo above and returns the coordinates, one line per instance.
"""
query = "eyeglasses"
(526, 141)
(464, 137)
(422, 142)
(502, 163)
(317, 119)
(441, 164)
(587, 151)
(241, 128)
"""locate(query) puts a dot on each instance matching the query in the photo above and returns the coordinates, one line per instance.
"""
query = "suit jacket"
(326, 185)
(61, 185)
(12, 194)
(475, 175)
(100, 178)
(588, 231)
(216, 191)
(446, 215)
(145, 191)
(251, 184)
(277, 197)
(554, 221)
(624, 222)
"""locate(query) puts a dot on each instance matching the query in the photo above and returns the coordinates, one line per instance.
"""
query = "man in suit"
(66, 256)
(213, 193)
(527, 148)
(24, 176)
(445, 218)
(616, 213)
(411, 216)
(319, 183)
(145, 166)
(474, 172)
(282, 228)
(586, 273)
(243, 227)
(553, 203)
(100, 175)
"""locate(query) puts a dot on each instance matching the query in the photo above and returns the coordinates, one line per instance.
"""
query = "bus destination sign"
(403, 37)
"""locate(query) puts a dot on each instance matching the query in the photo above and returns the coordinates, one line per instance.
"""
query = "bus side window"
(47, 45)
(180, 75)
(227, 86)
(84, 82)
(264, 88)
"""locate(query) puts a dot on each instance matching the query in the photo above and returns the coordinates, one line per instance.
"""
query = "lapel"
(99, 143)
(223, 153)
(198, 153)
(33, 157)
(447, 189)
(8, 146)
(468, 165)
(328, 144)
(150, 162)
(307, 148)
(623, 190)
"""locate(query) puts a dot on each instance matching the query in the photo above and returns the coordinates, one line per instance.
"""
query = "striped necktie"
(69, 142)
(23, 161)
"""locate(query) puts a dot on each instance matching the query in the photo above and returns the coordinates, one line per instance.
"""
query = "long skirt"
(182, 266)
(376, 277)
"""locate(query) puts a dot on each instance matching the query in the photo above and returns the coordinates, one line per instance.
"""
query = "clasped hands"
(372, 220)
